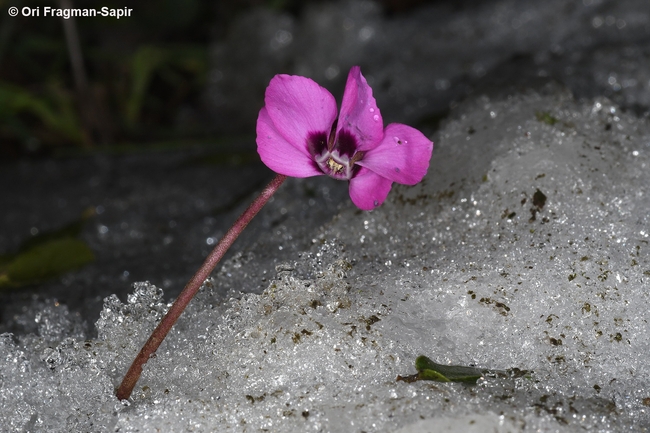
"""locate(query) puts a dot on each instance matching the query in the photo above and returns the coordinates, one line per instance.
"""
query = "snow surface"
(470, 267)
(525, 249)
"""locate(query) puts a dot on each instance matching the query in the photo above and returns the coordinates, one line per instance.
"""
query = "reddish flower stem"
(192, 287)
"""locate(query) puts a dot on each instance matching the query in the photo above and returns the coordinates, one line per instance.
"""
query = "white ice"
(525, 247)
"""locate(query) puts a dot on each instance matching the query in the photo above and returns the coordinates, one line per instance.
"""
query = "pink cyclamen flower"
(300, 134)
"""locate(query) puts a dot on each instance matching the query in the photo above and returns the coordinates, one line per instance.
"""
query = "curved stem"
(192, 287)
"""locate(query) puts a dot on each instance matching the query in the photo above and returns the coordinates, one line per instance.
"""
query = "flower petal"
(368, 189)
(359, 113)
(402, 156)
(278, 154)
(299, 107)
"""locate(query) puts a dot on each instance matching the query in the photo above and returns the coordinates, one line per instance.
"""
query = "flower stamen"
(334, 166)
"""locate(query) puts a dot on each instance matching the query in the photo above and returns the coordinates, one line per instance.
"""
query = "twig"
(192, 287)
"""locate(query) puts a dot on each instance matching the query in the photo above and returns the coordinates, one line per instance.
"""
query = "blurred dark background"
(84, 84)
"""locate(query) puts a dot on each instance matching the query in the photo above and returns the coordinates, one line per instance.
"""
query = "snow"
(467, 268)
(524, 251)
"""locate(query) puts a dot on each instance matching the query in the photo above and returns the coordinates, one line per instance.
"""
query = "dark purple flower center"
(335, 155)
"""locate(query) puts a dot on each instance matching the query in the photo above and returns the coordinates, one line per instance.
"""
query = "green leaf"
(47, 255)
(429, 370)
(71, 230)
(55, 109)
(545, 117)
(45, 260)
(145, 62)
(150, 60)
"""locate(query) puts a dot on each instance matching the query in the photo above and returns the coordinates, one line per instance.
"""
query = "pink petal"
(278, 154)
(359, 113)
(402, 156)
(368, 190)
(298, 106)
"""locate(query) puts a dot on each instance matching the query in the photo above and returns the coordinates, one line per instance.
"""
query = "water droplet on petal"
(397, 140)
(372, 110)
(376, 117)
(376, 203)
